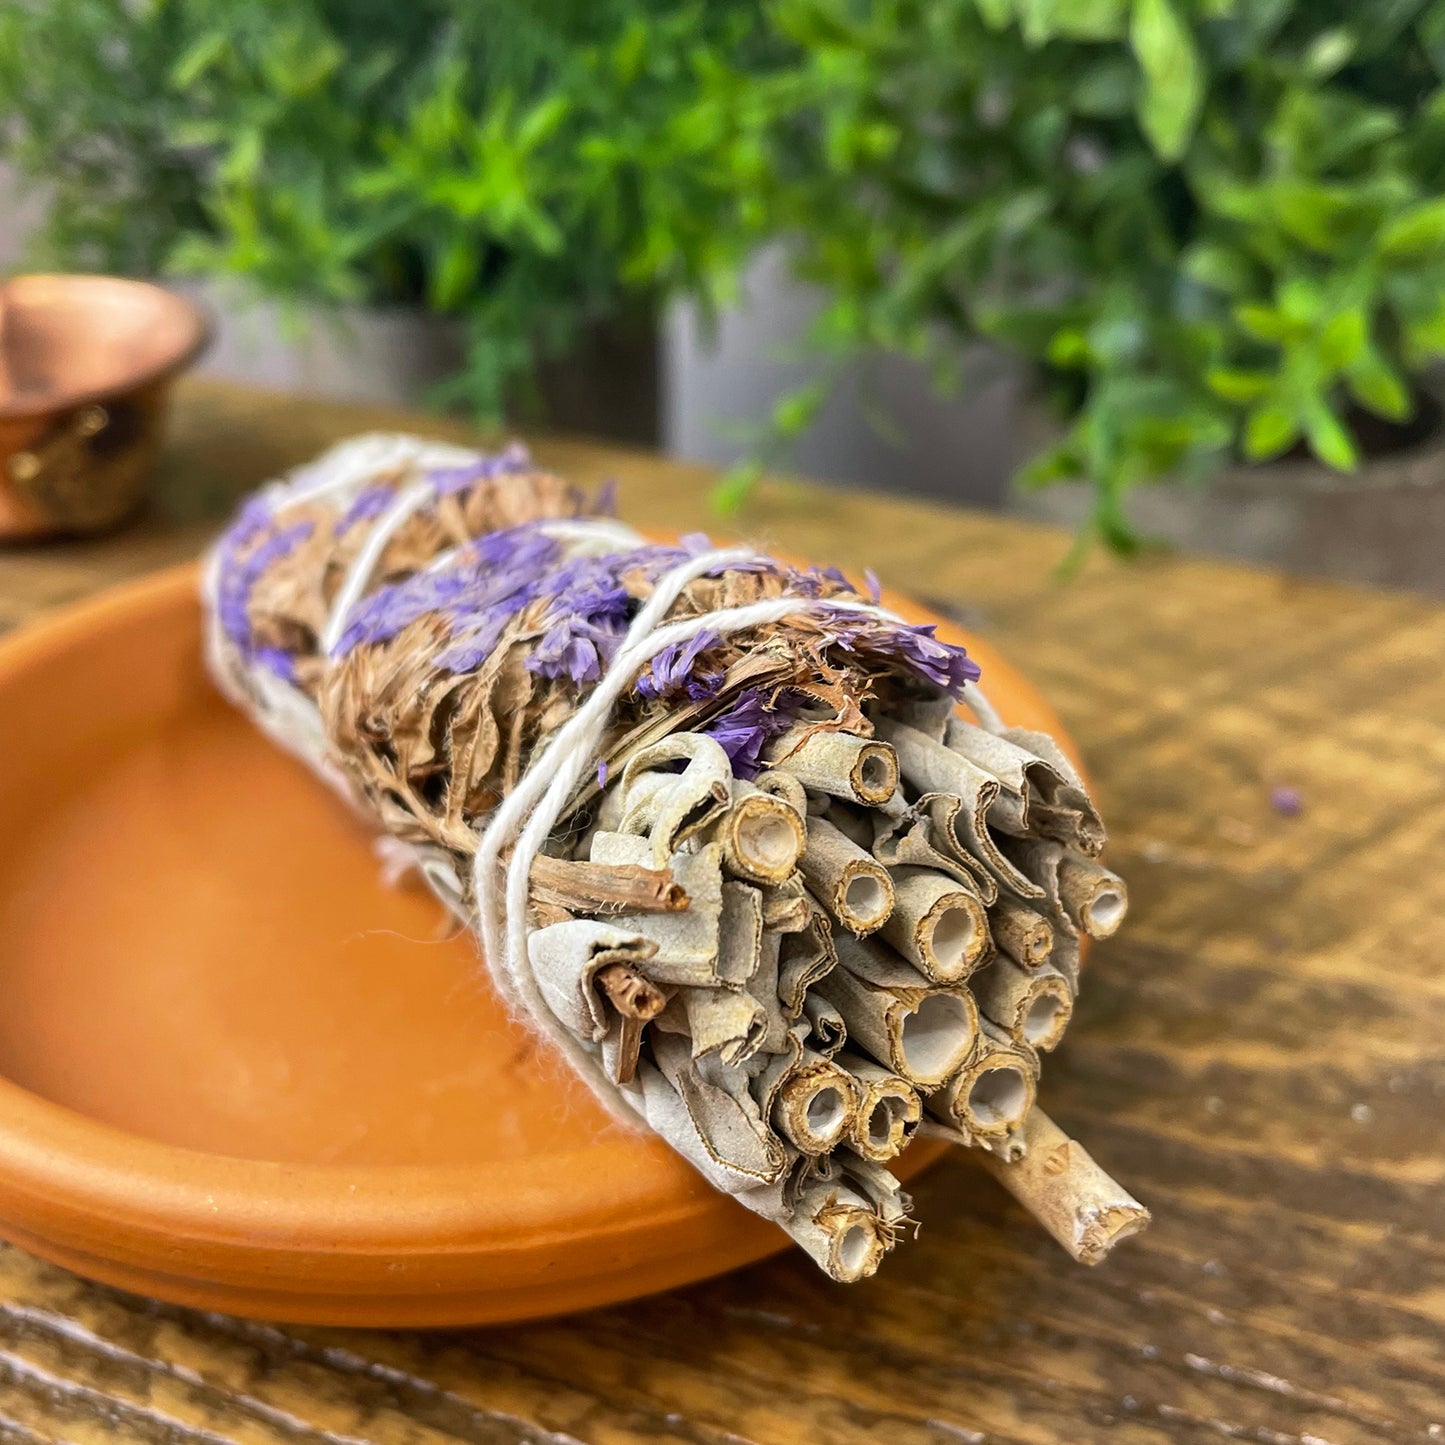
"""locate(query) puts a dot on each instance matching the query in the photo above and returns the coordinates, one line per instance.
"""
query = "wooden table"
(1259, 1056)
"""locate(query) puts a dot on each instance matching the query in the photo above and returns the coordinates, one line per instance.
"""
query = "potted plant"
(1215, 228)
(434, 192)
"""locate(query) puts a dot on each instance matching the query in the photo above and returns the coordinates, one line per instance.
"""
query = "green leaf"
(1416, 232)
(1069, 347)
(1093, 19)
(1264, 323)
(541, 122)
(192, 64)
(1300, 298)
(1113, 525)
(1023, 211)
(1425, 333)
(456, 273)
(1328, 439)
(794, 413)
(1174, 77)
(735, 486)
(1378, 388)
(629, 55)
(1043, 20)
(1317, 215)
(1106, 88)
(196, 132)
(1432, 36)
(1239, 386)
(1343, 339)
(996, 13)
(242, 161)
(1060, 463)
(1327, 52)
(1219, 267)
(1269, 431)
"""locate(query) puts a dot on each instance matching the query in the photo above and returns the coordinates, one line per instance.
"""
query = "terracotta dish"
(86, 364)
(236, 1071)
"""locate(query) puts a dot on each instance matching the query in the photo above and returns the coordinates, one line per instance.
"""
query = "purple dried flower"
(568, 649)
(574, 647)
(447, 480)
(871, 582)
(470, 648)
(1287, 802)
(238, 577)
(672, 670)
(277, 661)
(944, 664)
(485, 586)
(368, 504)
(511, 460)
(253, 519)
(586, 610)
(746, 728)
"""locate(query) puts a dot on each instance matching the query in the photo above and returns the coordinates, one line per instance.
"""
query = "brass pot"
(86, 365)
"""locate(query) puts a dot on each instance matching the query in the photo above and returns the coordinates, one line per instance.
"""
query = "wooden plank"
(1258, 1054)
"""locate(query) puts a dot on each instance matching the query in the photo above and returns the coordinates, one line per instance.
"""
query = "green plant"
(1217, 226)
(528, 167)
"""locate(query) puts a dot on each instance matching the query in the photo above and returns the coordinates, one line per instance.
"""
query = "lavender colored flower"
(368, 504)
(673, 670)
(746, 728)
(586, 619)
(488, 584)
(232, 593)
(915, 649)
(566, 650)
(238, 577)
(584, 607)
(477, 641)
(945, 664)
(1286, 801)
(511, 460)
(274, 659)
(252, 519)
(816, 582)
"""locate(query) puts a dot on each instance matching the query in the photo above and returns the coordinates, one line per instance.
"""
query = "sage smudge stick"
(728, 842)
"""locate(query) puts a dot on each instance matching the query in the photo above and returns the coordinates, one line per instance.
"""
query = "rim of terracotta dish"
(99, 1186)
(199, 331)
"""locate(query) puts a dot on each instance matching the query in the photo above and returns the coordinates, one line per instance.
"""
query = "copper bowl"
(86, 364)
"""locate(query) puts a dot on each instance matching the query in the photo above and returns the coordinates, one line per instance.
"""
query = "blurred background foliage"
(1216, 227)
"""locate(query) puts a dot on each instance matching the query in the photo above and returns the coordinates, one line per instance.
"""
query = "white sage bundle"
(726, 837)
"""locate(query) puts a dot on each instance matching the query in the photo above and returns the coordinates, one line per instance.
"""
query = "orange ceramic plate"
(238, 1072)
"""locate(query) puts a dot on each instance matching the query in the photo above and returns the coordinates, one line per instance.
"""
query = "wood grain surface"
(1258, 1055)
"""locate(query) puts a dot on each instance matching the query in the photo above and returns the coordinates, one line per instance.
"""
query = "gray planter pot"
(1384, 523)
(397, 356)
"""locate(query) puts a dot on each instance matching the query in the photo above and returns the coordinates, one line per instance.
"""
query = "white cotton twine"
(526, 817)
(551, 780)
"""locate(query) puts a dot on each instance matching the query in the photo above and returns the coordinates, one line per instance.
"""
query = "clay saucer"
(238, 1072)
